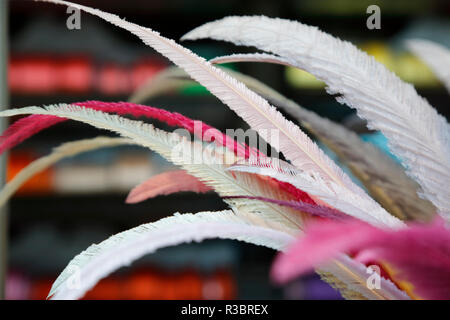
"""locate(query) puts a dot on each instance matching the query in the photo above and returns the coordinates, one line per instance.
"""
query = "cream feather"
(261, 116)
(416, 132)
(436, 56)
(65, 150)
(99, 260)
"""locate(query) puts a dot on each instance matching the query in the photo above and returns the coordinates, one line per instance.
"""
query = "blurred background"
(79, 201)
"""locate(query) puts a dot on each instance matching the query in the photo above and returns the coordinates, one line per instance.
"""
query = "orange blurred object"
(107, 289)
(41, 288)
(41, 183)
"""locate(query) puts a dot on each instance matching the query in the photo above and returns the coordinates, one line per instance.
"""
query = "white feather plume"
(121, 249)
(416, 132)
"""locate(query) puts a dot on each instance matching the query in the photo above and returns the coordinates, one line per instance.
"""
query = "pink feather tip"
(418, 256)
(164, 184)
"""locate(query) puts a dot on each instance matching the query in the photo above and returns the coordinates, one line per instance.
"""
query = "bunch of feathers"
(306, 207)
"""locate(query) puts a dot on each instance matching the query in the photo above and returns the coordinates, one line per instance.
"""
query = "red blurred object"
(75, 74)
(33, 75)
(41, 288)
(143, 285)
(113, 79)
(143, 71)
(149, 284)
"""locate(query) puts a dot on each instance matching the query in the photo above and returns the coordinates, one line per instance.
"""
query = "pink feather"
(164, 184)
(28, 126)
(419, 254)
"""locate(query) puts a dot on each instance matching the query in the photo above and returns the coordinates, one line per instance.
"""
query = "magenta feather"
(164, 184)
(28, 126)
(418, 254)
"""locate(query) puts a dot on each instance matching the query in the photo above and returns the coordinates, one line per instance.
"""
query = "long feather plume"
(166, 183)
(65, 150)
(436, 56)
(261, 116)
(385, 180)
(99, 260)
(28, 126)
(416, 132)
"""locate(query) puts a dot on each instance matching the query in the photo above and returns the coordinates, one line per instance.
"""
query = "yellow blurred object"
(406, 66)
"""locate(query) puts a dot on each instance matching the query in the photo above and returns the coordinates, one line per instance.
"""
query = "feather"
(26, 127)
(312, 209)
(436, 56)
(204, 161)
(419, 254)
(166, 183)
(416, 132)
(350, 278)
(163, 81)
(99, 260)
(251, 57)
(261, 116)
(385, 180)
(331, 194)
(65, 150)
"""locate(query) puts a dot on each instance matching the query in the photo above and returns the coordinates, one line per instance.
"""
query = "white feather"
(436, 56)
(416, 132)
(99, 260)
